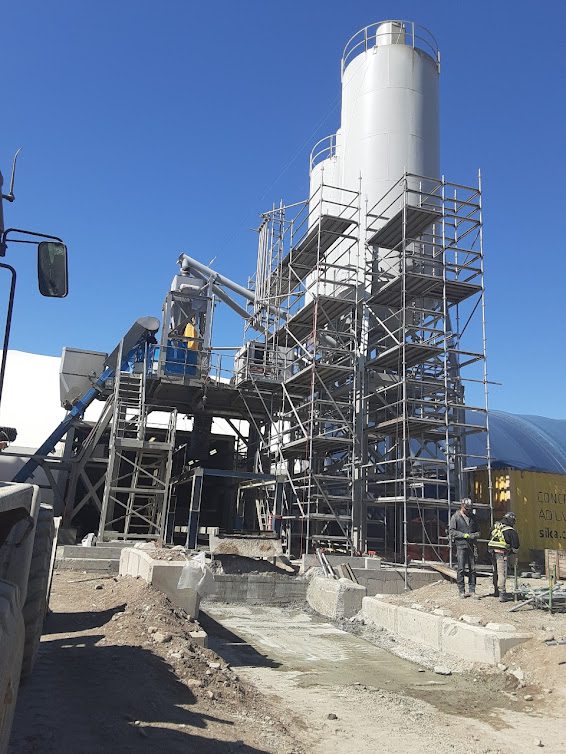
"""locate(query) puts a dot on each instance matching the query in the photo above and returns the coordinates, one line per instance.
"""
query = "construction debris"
(545, 598)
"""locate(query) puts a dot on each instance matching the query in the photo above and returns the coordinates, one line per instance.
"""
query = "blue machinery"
(141, 332)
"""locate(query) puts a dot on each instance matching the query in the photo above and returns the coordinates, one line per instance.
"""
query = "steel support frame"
(423, 399)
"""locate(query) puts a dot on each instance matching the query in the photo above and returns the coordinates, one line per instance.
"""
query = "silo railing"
(391, 32)
(322, 150)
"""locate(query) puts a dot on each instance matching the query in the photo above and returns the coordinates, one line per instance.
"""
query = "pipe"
(206, 273)
(223, 296)
(188, 262)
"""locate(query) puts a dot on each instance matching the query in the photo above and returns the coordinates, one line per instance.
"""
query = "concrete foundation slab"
(261, 589)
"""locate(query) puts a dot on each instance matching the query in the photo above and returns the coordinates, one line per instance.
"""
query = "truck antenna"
(10, 195)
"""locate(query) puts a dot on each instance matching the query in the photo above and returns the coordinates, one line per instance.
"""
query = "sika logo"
(551, 534)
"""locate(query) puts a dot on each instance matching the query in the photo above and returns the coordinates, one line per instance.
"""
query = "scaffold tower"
(374, 339)
(425, 357)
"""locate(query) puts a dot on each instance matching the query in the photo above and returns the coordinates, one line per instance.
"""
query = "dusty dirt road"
(381, 703)
(117, 672)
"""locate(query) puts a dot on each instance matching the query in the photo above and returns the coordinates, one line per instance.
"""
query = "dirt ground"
(543, 664)
(118, 672)
(357, 698)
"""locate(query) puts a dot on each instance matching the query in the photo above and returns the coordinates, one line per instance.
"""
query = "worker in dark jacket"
(464, 531)
(503, 541)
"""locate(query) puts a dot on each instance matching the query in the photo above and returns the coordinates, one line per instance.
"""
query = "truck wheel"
(35, 606)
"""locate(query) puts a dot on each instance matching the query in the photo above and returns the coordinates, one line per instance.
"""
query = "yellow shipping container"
(539, 501)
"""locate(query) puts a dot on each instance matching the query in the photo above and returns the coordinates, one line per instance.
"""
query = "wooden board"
(345, 572)
(556, 558)
(443, 569)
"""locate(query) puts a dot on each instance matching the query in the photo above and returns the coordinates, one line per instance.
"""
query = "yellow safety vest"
(191, 333)
(497, 540)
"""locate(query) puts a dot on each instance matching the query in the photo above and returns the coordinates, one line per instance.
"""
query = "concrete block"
(90, 565)
(418, 626)
(335, 598)
(380, 581)
(123, 568)
(382, 614)
(372, 563)
(390, 587)
(474, 643)
(129, 562)
(468, 642)
(165, 577)
(265, 588)
(477, 643)
(145, 563)
(12, 635)
(246, 546)
(78, 551)
(199, 637)
(260, 592)
(161, 575)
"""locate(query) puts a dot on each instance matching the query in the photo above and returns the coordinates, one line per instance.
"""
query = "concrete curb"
(163, 575)
(335, 598)
(90, 565)
(480, 644)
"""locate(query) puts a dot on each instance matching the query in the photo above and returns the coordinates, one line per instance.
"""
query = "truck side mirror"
(52, 269)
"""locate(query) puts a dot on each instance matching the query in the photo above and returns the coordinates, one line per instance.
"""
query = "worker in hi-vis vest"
(191, 333)
(192, 344)
(503, 541)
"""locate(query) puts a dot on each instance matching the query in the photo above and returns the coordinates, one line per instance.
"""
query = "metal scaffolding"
(360, 393)
(374, 339)
(137, 487)
(425, 354)
(308, 287)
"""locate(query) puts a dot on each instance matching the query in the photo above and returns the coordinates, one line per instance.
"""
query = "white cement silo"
(390, 120)
(389, 126)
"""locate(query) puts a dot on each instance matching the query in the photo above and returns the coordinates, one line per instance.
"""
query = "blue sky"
(150, 128)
